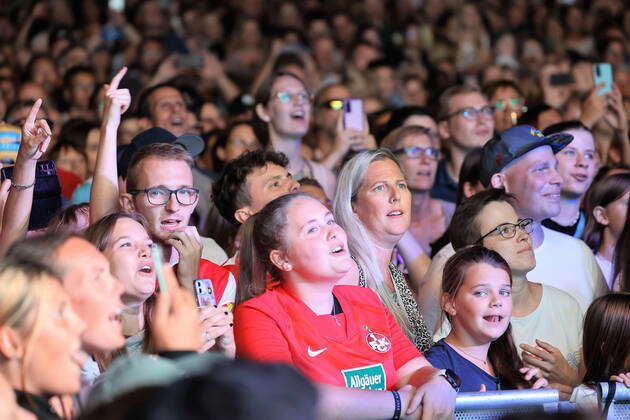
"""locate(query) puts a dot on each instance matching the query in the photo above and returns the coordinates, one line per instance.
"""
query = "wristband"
(21, 187)
(397, 405)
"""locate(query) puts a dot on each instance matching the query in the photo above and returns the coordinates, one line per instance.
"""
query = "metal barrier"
(620, 400)
(496, 404)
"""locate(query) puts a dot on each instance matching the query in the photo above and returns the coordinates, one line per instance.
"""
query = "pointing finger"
(116, 80)
(30, 119)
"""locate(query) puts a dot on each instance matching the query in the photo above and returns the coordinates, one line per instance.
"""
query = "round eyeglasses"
(416, 152)
(508, 230)
(471, 113)
(158, 196)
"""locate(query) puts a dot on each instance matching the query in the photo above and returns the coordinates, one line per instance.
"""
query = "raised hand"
(117, 101)
(36, 135)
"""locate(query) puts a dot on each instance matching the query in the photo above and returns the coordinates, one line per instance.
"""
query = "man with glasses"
(284, 104)
(522, 161)
(541, 314)
(466, 122)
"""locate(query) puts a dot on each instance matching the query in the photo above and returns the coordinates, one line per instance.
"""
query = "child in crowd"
(606, 208)
(477, 300)
(605, 347)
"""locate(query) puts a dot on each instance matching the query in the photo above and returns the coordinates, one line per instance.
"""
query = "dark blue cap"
(513, 143)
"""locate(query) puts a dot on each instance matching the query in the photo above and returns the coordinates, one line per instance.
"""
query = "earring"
(288, 267)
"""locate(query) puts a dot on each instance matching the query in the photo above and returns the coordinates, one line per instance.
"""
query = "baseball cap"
(509, 145)
(191, 142)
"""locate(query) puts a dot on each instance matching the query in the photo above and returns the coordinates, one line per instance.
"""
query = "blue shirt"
(444, 187)
(442, 356)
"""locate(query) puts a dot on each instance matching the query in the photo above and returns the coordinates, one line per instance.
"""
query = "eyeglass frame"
(520, 224)
(327, 104)
(170, 193)
(423, 152)
(511, 103)
(307, 98)
(477, 111)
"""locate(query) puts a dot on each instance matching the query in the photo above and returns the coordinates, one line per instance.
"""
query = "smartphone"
(561, 79)
(158, 261)
(204, 292)
(116, 5)
(602, 73)
(353, 114)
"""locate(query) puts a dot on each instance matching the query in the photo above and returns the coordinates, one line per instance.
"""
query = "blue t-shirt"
(444, 187)
(442, 356)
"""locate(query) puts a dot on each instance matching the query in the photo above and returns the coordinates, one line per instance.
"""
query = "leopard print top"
(421, 337)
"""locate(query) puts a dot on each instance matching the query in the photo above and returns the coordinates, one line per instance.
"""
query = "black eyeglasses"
(508, 230)
(471, 113)
(416, 152)
(158, 196)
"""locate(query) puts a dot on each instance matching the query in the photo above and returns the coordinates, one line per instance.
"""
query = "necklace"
(459, 349)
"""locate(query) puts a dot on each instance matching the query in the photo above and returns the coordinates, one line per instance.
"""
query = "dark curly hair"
(229, 192)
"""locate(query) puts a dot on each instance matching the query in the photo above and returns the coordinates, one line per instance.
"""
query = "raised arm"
(36, 137)
(104, 194)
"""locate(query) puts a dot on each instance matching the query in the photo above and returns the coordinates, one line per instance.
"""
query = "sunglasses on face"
(334, 104)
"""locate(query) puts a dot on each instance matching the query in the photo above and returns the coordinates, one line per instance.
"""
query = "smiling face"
(129, 255)
(383, 203)
(578, 163)
(481, 309)
(317, 248)
(420, 171)
(168, 110)
(535, 182)
(289, 117)
(94, 293)
(517, 251)
(172, 174)
(58, 334)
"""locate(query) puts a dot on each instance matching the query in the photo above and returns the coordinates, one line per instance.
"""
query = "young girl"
(606, 207)
(606, 332)
(477, 300)
(341, 337)
(40, 339)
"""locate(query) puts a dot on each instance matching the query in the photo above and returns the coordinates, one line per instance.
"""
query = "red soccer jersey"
(362, 347)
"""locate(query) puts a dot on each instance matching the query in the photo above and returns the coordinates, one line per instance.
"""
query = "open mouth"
(170, 224)
(337, 250)
(298, 115)
(146, 269)
(493, 318)
(395, 213)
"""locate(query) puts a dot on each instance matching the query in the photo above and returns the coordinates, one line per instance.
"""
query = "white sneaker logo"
(316, 352)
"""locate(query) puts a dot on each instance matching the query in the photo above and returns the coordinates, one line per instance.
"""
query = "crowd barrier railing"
(496, 404)
(618, 396)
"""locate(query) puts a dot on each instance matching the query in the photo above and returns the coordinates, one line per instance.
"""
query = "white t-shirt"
(568, 264)
(607, 269)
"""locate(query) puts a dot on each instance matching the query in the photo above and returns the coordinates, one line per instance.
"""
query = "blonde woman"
(40, 338)
(373, 205)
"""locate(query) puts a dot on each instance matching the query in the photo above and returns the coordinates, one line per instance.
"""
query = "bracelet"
(21, 187)
(397, 405)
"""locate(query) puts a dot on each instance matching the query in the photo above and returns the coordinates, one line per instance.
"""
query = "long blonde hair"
(361, 246)
(23, 294)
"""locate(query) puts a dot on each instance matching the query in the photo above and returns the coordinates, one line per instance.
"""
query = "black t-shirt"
(567, 230)
(444, 187)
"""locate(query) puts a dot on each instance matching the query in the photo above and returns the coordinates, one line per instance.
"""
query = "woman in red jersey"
(290, 310)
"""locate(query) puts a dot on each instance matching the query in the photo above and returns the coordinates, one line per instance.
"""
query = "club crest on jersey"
(378, 342)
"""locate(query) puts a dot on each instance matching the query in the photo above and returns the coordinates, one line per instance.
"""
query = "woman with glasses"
(477, 300)
(283, 103)
(373, 205)
(417, 149)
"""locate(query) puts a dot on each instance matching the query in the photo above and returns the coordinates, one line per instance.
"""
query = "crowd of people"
(279, 209)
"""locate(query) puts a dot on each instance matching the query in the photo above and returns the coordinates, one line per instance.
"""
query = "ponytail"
(262, 233)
